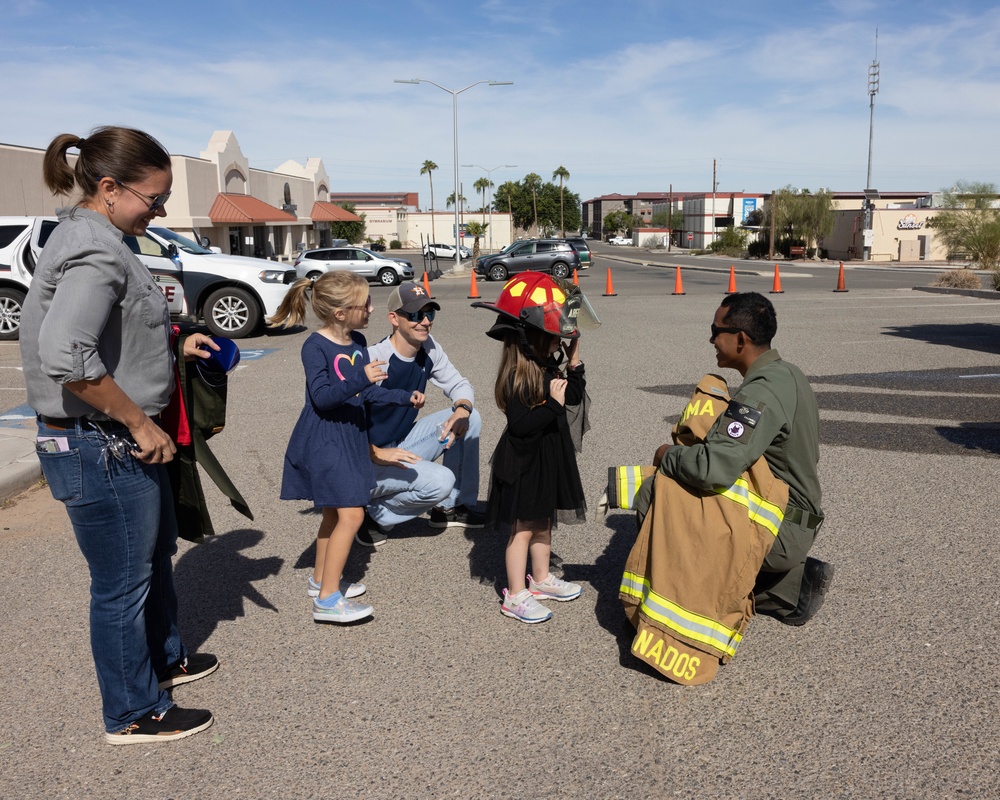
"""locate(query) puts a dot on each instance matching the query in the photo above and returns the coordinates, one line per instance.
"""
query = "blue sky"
(628, 97)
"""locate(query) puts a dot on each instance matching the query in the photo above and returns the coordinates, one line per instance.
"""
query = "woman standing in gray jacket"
(95, 346)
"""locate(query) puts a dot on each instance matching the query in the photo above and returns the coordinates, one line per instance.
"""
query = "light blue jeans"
(406, 492)
(123, 517)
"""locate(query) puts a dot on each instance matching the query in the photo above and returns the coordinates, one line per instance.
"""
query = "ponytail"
(125, 154)
(293, 306)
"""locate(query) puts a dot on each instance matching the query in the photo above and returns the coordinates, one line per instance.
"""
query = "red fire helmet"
(536, 300)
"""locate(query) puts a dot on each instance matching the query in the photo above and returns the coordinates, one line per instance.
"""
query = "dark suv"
(580, 245)
(554, 256)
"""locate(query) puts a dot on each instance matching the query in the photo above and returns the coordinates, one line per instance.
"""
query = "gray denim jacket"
(93, 309)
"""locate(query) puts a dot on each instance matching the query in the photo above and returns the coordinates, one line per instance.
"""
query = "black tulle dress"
(534, 473)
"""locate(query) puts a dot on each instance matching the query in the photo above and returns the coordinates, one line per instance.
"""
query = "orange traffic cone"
(427, 286)
(840, 280)
(678, 283)
(777, 282)
(576, 281)
(473, 289)
(732, 280)
(609, 289)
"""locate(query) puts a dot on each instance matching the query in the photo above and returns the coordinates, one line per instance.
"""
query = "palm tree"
(451, 201)
(476, 229)
(562, 174)
(427, 169)
(481, 185)
(533, 181)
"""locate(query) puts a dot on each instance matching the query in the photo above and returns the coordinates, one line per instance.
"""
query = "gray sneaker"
(343, 610)
(553, 588)
(523, 606)
(347, 588)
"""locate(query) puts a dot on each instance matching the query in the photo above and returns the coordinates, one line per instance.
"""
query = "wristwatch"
(462, 404)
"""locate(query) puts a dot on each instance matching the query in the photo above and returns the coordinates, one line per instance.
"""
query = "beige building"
(216, 198)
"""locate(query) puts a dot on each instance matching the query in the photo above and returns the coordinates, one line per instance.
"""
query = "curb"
(19, 467)
(983, 293)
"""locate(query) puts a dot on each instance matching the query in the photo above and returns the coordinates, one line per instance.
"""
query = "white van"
(231, 294)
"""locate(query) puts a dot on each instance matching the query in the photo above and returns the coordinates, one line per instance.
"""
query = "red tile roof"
(241, 209)
(323, 211)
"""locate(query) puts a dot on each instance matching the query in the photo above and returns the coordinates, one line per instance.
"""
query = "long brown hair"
(125, 154)
(519, 376)
(330, 292)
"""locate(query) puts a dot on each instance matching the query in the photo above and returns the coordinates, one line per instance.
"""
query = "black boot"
(816, 579)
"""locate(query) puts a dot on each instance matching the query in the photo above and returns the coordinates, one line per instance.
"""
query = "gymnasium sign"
(910, 223)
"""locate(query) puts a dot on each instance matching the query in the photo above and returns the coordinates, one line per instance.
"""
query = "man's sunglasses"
(716, 330)
(156, 201)
(416, 316)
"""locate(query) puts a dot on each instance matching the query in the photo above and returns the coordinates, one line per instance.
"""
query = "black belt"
(70, 423)
(807, 520)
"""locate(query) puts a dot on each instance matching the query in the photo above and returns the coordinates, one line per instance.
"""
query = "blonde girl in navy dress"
(327, 460)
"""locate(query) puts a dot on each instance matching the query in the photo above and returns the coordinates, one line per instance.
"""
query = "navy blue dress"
(327, 458)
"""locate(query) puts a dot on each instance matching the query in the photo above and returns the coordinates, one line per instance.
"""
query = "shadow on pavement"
(980, 336)
(214, 578)
(605, 576)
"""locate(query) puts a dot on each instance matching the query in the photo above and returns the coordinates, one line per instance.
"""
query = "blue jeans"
(406, 492)
(123, 517)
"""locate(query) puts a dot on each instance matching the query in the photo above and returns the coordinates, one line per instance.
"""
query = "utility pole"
(670, 218)
(713, 200)
(869, 207)
(774, 219)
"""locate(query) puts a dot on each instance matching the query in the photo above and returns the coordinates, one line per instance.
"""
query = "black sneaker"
(195, 666)
(370, 534)
(457, 517)
(174, 723)
(816, 581)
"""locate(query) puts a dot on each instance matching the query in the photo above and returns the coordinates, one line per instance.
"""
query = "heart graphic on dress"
(348, 358)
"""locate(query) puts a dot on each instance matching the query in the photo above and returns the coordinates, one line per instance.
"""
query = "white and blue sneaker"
(553, 588)
(342, 611)
(523, 606)
(347, 588)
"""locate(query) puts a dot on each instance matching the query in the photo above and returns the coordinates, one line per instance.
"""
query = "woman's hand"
(155, 446)
(557, 390)
(373, 369)
(417, 399)
(195, 344)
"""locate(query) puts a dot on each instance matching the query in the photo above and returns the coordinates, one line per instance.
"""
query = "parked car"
(446, 251)
(387, 271)
(579, 244)
(231, 294)
(620, 240)
(377, 247)
(554, 256)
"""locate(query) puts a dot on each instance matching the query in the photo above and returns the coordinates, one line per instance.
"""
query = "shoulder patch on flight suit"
(740, 419)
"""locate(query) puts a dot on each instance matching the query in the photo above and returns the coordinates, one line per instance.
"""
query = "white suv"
(375, 267)
(232, 294)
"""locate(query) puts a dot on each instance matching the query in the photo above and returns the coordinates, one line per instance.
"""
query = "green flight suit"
(772, 414)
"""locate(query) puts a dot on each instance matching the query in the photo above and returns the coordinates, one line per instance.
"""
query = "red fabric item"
(174, 418)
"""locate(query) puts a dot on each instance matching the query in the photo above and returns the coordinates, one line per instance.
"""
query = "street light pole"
(489, 181)
(454, 113)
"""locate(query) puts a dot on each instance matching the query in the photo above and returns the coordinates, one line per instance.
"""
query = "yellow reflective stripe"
(693, 626)
(629, 479)
(760, 511)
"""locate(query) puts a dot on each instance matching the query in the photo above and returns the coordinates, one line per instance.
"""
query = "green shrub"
(395, 244)
(758, 249)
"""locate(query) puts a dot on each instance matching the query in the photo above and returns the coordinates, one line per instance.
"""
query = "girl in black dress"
(535, 479)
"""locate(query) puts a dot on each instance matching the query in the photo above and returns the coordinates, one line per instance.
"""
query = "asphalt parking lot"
(889, 693)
